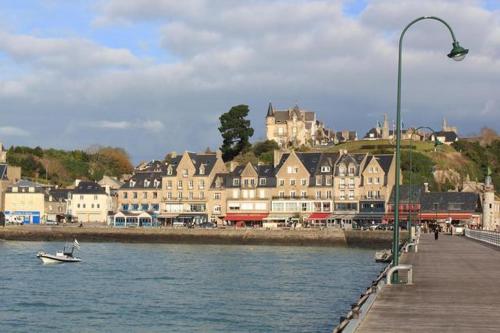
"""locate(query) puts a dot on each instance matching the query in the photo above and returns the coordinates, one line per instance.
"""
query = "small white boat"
(383, 256)
(66, 255)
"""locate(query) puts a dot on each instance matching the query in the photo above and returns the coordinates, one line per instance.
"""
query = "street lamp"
(457, 53)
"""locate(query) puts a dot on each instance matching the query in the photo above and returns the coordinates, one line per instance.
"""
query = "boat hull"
(51, 259)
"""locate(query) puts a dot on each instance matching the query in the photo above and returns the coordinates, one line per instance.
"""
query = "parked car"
(51, 223)
(207, 225)
(14, 220)
(458, 229)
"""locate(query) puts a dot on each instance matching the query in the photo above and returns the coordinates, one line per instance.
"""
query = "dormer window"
(184, 172)
(169, 170)
(156, 183)
(146, 183)
(202, 169)
(352, 169)
(262, 181)
(325, 168)
(132, 183)
(236, 182)
(342, 169)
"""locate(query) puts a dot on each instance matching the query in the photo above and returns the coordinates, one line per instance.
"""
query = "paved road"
(456, 289)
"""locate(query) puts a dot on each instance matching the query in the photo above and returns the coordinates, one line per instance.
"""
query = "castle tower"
(270, 122)
(3, 154)
(489, 222)
(385, 128)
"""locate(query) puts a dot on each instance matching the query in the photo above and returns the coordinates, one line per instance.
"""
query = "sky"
(153, 76)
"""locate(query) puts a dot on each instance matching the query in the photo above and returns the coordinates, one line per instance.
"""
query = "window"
(303, 206)
(292, 169)
(303, 194)
(252, 182)
(169, 170)
(370, 170)
(155, 207)
(78, 206)
(179, 184)
(245, 182)
(202, 169)
(328, 180)
(144, 207)
(318, 180)
(144, 195)
(169, 195)
(303, 182)
(92, 206)
(134, 195)
(342, 195)
(328, 194)
(262, 181)
(351, 195)
(351, 182)
(155, 195)
(282, 182)
(124, 207)
(369, 194)
(191, 195)
(179, 195)
(217, 209)
(352, 169)
(185, 173)
(282, 194)
(169, 184)
(202, 195)
(318, 194)
(98, 206)
(280, 130)
(377, 180)
(84, 206)
(191, 184)
(202, 184)
(125, 195)
(342, 183)
(370, 180)
(292, 194)
(325, 168)
(217, 195)
(376, 169)
(81, 197)
(292, 182)
(236, 182)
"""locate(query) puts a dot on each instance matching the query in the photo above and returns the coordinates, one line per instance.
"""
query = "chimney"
(232, 166)
(426, 187)
(277, 157)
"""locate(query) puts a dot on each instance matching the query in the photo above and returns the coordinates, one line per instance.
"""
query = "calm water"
(180, 288)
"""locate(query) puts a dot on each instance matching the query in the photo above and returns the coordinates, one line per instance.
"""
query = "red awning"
(246, 217)
(319, 216)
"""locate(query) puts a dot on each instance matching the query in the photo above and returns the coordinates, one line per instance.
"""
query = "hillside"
(62, 167)
(443, 167)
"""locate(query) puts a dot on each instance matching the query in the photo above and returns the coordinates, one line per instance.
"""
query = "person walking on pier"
(436, 233)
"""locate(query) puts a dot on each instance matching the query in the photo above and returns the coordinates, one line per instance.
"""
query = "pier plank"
(456, 289)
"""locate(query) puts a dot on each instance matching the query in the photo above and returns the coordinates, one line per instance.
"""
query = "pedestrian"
(436, 233)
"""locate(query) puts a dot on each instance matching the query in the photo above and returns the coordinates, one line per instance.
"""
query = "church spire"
(270, 110)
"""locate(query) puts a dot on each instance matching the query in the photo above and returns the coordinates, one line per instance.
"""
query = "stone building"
(491, 207)
(9, 175)
(25, 203)
(89, 202)
(296, 127)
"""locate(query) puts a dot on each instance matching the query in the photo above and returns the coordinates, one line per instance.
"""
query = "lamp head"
(457, 53)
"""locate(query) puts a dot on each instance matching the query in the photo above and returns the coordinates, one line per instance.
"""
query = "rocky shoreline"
(301, 237)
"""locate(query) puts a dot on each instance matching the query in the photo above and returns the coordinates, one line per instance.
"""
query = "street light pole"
(457, 53)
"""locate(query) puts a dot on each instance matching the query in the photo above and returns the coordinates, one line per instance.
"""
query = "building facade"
(25, 203)
(9, 175)
(89, 202)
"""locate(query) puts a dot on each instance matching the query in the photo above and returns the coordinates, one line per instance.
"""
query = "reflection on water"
(180, 288)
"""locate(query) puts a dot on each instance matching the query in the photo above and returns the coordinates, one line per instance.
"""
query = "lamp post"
(410, 190)
(457, 53)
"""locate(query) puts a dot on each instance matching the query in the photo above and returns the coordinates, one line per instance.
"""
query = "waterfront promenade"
(456, 289)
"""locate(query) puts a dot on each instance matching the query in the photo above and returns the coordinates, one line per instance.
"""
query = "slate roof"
(88, 187)
(151, 166)
(469, 202)
(449, 136)
(263, 171)
(144, 180)
(59, 194)
(385, 161)
(404, 193)
(208, 160)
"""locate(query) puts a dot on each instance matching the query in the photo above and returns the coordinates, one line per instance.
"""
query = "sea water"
(180, 288)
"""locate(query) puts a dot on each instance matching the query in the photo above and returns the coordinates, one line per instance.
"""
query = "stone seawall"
(304, 237)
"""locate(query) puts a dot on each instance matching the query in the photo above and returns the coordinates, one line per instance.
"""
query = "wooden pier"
(456, 289)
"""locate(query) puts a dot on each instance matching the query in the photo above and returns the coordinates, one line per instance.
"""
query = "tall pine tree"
(236, 132)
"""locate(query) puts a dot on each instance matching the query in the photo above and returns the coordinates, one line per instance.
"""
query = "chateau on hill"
(296, 127)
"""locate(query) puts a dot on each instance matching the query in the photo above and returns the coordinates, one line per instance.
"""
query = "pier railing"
(489, 237)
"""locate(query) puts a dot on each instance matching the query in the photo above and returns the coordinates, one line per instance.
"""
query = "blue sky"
(154, 75)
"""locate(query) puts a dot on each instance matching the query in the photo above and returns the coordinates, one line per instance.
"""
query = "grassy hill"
(62, 167)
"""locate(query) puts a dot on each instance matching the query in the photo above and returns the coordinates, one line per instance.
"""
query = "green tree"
(236, 132)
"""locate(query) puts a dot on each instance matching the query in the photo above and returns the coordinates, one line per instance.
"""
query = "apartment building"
(143, 191)
(89, 202)
(187, 193)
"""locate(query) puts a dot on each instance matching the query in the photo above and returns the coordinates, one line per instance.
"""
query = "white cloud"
(233, 52)
(13, 131)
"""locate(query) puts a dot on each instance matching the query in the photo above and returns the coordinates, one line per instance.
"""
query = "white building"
(90, 202)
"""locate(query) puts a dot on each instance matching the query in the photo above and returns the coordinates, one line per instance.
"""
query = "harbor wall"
(303, 237)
